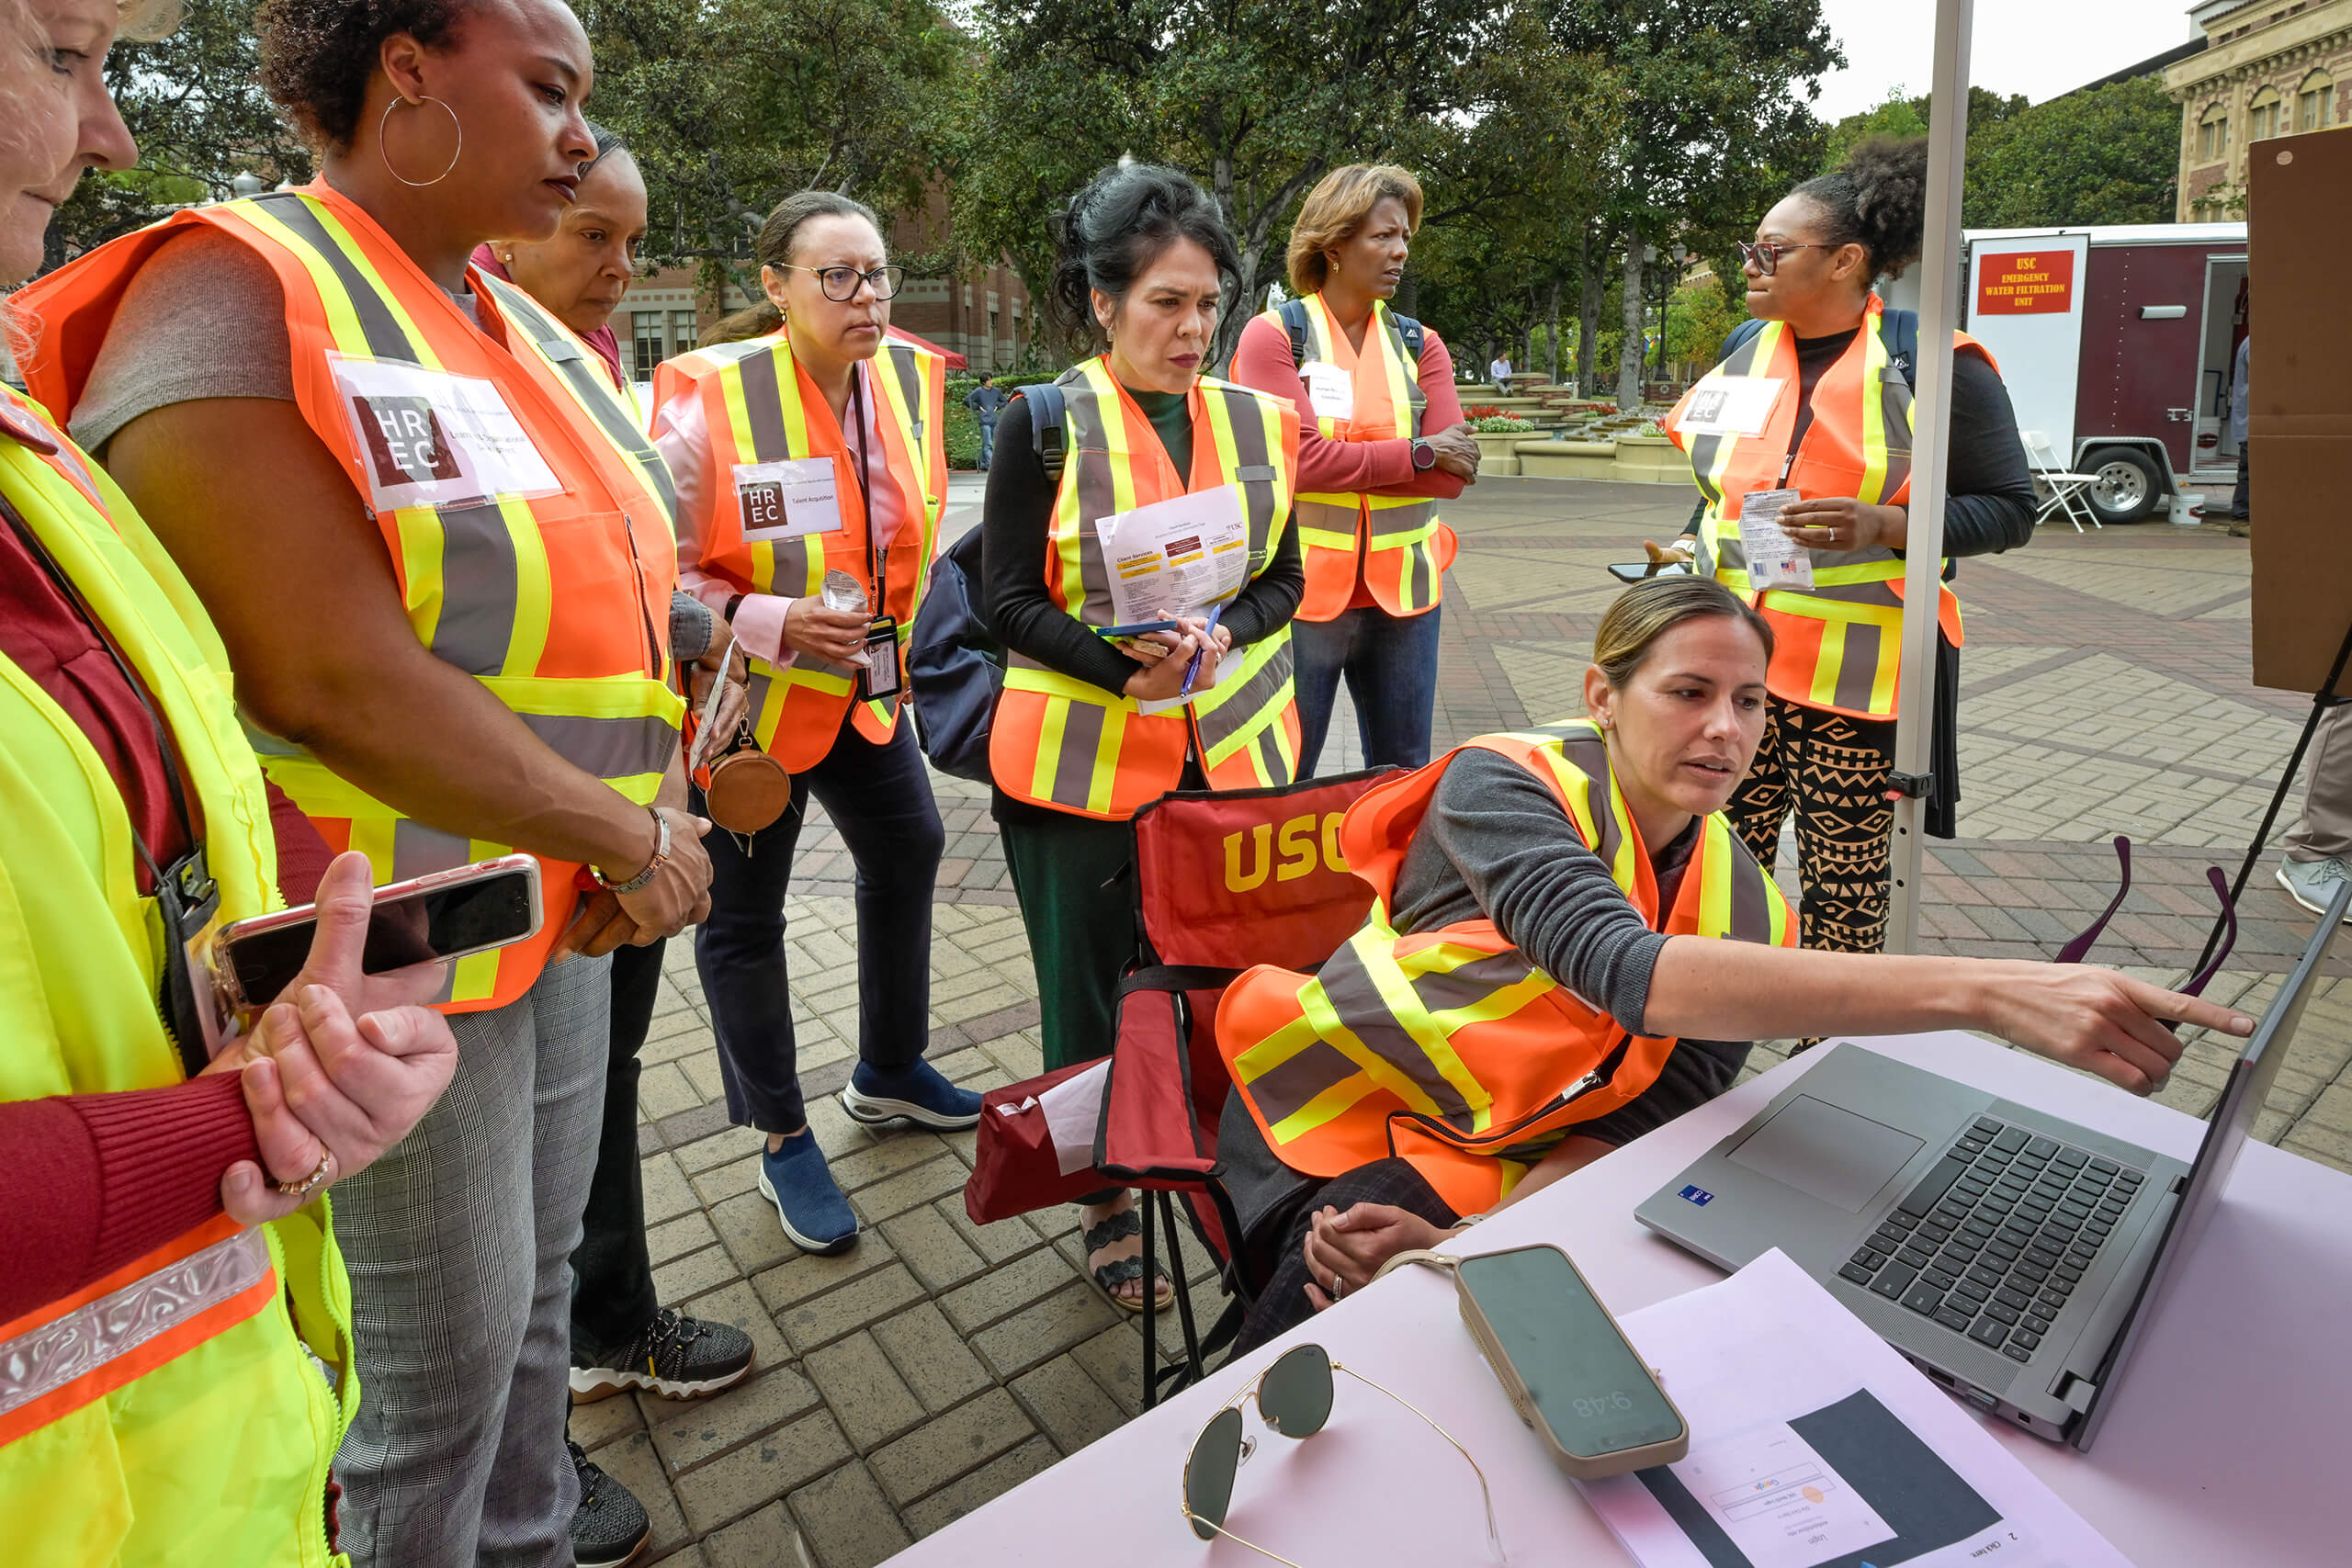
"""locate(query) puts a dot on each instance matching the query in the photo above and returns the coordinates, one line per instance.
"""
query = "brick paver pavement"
(940, 1363)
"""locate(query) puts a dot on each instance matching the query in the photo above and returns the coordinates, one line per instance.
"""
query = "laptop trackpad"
(1830, 1153)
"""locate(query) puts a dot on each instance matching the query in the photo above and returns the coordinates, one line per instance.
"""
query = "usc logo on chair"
(1302, 842)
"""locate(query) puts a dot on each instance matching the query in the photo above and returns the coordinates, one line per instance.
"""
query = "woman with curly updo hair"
(438, 549)
(1811, 405)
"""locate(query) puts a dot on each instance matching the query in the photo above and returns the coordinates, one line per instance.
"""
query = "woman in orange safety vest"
(1818, 402)
(1546, 973)
(1089, 726)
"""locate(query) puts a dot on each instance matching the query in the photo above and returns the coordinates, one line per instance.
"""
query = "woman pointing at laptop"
(1571, 947)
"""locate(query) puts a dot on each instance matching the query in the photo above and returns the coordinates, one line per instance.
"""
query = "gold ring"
(304, 1187)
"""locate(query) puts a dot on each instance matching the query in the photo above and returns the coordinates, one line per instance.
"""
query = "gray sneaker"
(2313, 883)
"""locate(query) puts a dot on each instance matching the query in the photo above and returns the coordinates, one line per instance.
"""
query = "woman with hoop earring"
(438, 551)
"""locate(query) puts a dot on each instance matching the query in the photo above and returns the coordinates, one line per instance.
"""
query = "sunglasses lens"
(1295, 1398)
(1208, 1474)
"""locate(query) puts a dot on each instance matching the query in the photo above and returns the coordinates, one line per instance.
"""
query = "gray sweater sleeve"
(1496, 842)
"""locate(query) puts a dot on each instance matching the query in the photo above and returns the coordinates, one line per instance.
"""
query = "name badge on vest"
(1330, 391)
(1730, 405)
(430, 438)
(788, 499)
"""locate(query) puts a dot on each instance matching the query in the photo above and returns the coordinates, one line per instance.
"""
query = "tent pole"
(1931, 462)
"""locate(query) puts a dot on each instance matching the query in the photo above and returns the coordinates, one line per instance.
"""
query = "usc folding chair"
(1224, 880)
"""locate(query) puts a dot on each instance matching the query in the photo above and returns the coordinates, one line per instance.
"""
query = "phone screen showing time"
(1593, 1391)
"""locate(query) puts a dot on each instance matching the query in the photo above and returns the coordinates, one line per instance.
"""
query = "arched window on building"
(2213, 134)
(2265, 119)
(2315, 102)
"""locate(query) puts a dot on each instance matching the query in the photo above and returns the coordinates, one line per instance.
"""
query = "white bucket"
(2188, 508)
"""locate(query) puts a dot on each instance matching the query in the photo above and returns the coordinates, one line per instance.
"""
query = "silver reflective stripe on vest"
(1356, 997)
(41, 1360)
(608, 748)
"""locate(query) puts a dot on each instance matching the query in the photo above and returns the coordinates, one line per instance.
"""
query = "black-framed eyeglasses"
(1294, 1397)
(839, 283)
(1766, 257)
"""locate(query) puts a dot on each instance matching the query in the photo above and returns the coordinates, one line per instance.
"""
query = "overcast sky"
(2039, 47)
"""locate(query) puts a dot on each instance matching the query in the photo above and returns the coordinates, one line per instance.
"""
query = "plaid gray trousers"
(459, 1244)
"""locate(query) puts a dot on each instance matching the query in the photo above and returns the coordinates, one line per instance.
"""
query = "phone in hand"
(1636, 572)
(446, 914)
(1570, 1373)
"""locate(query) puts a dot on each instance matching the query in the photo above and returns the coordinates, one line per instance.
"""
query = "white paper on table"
(1768, 1348)
(1730, 405)
(1073, 1110)
(1174, 559)
(1774, 560)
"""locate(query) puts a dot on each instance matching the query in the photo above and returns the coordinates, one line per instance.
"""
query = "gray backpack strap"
(1047, 431)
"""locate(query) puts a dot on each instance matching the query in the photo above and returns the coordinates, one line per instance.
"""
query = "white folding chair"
(2065, 490)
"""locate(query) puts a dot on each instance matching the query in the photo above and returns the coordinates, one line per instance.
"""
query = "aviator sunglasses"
(1294, 1399)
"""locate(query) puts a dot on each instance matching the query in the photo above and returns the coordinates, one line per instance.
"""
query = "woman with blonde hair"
(1381, 442)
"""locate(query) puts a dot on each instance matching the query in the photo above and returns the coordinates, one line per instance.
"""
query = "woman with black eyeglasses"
(1811, 409)
(811, 476)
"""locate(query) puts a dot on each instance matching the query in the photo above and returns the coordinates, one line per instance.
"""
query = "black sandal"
(1108, 1277)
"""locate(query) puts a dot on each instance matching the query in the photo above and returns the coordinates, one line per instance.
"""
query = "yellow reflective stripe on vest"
(1078, 740)
(583, 372)
(1233, 711)
(1873, 490)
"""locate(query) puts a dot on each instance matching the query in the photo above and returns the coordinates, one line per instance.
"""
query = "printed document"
(1814, 1442)
(1774, 560)
(1174, 559)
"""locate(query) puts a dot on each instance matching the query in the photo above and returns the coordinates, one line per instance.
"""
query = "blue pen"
(1192, 670)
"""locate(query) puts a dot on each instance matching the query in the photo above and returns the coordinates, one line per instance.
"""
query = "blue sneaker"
(808, 1200)
(916, 1092)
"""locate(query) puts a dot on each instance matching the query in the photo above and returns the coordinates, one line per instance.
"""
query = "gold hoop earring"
(385, 152)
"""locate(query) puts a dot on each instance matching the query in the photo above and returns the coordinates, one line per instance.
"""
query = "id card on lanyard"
(878, 678)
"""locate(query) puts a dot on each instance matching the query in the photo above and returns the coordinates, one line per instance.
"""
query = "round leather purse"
(748, 789)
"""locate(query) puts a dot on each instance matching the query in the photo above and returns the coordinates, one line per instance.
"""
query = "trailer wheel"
(2130, 489)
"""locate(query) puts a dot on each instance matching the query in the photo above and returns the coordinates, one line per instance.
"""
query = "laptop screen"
(2242, 1100)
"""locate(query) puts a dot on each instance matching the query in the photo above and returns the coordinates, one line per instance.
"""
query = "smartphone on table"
(444, 914)
(1570, 1373)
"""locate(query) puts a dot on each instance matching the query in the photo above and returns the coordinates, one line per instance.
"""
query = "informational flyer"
(1774, 560)
(1814, 1445)
(1175, 559)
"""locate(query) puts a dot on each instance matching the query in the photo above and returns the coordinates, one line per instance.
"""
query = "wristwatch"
(661, 854)
(1424, 455)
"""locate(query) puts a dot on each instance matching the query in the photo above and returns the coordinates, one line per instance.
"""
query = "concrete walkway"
(941, 1364)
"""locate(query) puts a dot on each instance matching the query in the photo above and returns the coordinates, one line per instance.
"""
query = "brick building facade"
(2269, 68)
(983, 314)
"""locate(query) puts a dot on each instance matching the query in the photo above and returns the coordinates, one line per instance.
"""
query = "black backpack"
(954, 662)
(1899, 330)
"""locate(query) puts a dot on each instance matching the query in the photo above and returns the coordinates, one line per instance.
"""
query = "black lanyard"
(186, 894)
(877, 559)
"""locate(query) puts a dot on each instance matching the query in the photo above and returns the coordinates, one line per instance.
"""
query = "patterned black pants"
(1834, 771)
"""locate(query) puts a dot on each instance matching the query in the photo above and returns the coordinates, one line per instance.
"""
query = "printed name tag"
(429, 438)
(1730, 405)
(1330, 391)
(788, 499)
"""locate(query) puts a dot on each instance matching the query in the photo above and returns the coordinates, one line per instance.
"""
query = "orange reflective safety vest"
(762, 410)
(1066, 743)
(1404, 548)
(1840, 646)
(526, 516)
(1449, 1046)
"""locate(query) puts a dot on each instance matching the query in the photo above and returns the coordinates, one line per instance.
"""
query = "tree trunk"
(1587, 312)
(1630, 351)
(1551, 367)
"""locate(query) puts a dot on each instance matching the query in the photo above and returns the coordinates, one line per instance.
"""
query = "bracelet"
(309, 1183)
(660, 855)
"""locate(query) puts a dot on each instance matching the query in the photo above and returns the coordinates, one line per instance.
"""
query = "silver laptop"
(2014, 1257)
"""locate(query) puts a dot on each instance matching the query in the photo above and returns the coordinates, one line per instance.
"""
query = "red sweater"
(1264, 360)
(89, 1182)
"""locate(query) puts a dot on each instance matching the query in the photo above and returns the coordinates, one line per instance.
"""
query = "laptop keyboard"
(1996, 1237)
